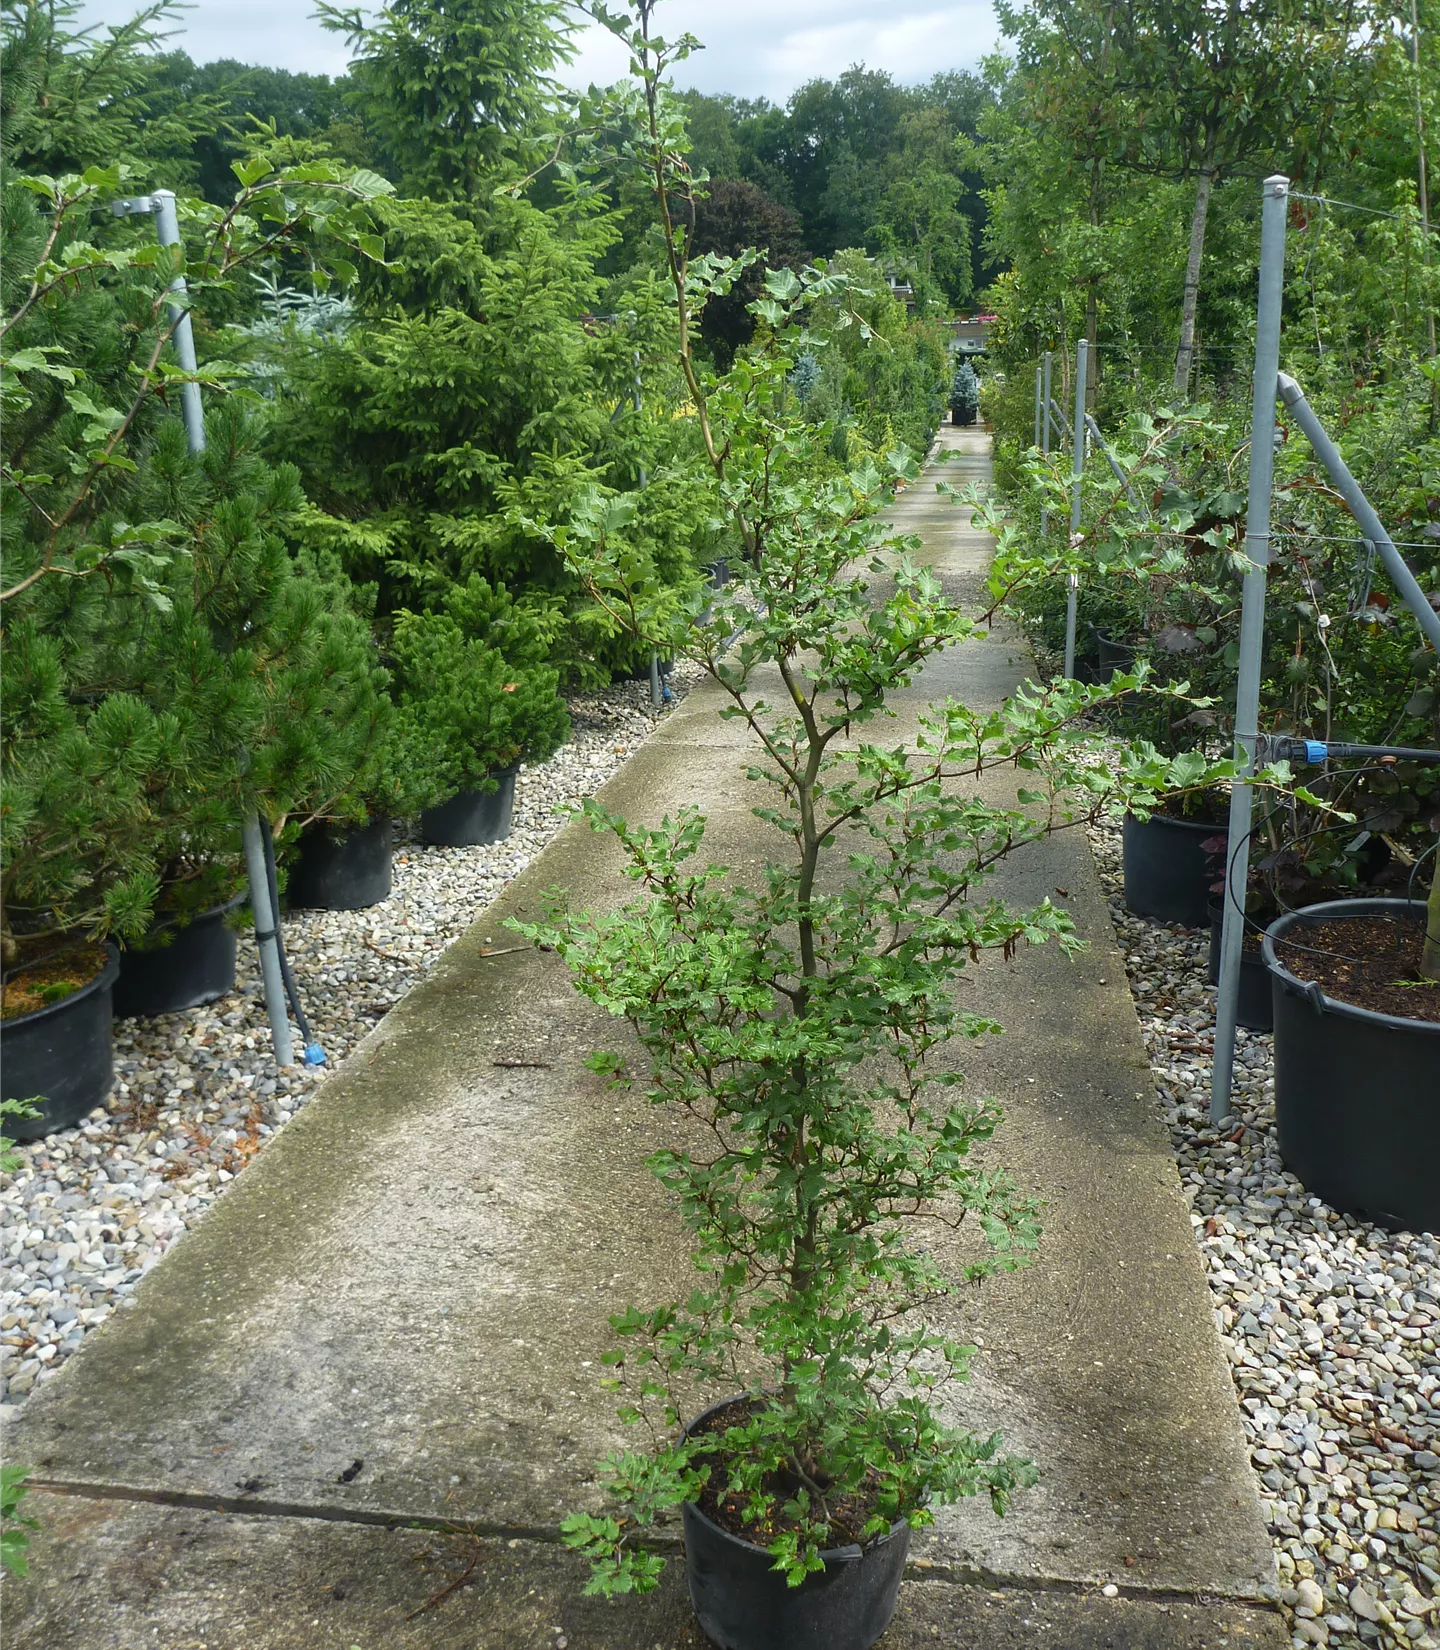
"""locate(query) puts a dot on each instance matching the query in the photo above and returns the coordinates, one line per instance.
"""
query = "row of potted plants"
(1158, 561)
(175, 660)
(1350, 988)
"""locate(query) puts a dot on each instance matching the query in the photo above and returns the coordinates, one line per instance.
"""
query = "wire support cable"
(1348, 206)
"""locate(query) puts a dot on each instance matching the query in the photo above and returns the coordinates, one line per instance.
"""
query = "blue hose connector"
(314, 1055)
(1315, 752)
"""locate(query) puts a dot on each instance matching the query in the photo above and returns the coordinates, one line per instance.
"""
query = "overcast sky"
(754, 48)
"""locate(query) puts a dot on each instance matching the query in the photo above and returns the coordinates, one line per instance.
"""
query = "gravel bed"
(1330, 1325)
(91, 1209)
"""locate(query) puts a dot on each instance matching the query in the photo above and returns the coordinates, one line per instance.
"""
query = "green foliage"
(164, 665)
(864, 162)
(476, 694)
(15, 1527)
(10, 1160)
(75, 97)
(448, 88)
(254, 651)
(800, 1018)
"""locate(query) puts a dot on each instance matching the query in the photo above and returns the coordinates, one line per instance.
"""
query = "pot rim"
(236, 900)
(500, 775)
(341, 832)
(1201, 825)
(106, 976)
(851, 1553)
(1310, 989)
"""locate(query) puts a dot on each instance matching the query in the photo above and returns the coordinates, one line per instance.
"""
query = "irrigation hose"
(314, 1054)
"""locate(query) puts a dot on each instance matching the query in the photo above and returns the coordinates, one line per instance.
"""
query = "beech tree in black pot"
(797, 1023)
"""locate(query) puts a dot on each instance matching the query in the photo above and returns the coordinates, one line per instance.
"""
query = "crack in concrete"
(917, 1569)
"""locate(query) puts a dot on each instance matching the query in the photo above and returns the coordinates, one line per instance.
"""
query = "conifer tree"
(452, 88)
(163, 657)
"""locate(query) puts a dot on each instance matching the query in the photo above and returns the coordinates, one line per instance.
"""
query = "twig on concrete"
(444, 1592)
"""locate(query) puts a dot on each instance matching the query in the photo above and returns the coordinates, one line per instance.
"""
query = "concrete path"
(376, 1360)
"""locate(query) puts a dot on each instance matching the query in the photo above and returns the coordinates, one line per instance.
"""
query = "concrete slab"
(118, 1575)
(397, 1312)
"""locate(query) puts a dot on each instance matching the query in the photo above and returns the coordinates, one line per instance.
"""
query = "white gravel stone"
(1330, 1325)
(197, 1095)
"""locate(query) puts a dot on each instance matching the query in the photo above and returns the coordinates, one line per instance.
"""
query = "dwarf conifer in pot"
(797, 1022)
(476, 693)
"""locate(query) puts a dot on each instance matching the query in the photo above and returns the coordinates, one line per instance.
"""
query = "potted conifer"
(122, 742)
(268, 666)
(477, 698)
(795, 1022)
(965, 394)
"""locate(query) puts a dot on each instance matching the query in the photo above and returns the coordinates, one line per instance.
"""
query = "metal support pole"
(1072, 597)
(265, 919)
(167, 232)
(637, 400)
(1039, 374)
(1275, 198)
(1110, 458)
(161, 205)
(1360, 507)
(1059, 420)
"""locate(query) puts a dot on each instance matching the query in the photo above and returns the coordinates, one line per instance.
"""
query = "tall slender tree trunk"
(1092, 300)
(1424, 181)
(1185, 355)
(1430, 953)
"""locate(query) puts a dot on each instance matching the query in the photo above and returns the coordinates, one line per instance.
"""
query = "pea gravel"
(91, 1209)
(1330, 1325)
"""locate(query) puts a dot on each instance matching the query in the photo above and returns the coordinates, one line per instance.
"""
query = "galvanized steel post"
(1275, 199)
(1072, 595)
(167, 232)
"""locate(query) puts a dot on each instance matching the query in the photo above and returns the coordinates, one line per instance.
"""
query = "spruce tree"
(452, 89)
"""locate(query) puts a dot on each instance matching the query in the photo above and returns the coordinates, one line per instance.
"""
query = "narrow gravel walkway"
(91, 1209)
(1330, 1325)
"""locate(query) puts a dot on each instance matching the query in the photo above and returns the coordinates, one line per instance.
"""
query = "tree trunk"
(1430, 955)
(1185, 355)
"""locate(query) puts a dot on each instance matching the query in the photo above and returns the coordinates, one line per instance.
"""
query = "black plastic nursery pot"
(473, 819)
(340, 870)
(197, 966)
(744, 1604)
(1253, 1007)
(61, 1056)
(1112, 654)
(1357, 1093)
(1167, 872)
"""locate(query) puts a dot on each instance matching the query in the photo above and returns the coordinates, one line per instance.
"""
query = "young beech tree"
(799, 1017)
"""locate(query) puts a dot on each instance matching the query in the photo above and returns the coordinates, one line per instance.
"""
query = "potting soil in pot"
(1369, 961)
(848, 1513)
(52, 981)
